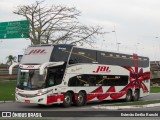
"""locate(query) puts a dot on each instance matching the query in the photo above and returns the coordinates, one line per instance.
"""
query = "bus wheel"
(136, 95)
(81, 100)
(128, 96)
(67, 99)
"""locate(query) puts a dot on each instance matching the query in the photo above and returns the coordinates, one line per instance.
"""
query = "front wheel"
(81, 100)
(128, 96)
(136, 95)
(67, 99)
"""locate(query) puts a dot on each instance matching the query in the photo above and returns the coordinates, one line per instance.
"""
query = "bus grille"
(27, 95)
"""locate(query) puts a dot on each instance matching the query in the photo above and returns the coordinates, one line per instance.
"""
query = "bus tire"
(67, 99)
(128, 96)
(136, 95)
(81, 100)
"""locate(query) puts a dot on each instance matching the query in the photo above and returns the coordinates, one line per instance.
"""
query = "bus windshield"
(30, 79)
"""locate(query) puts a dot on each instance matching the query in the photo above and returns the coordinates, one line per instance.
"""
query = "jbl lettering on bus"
(102, 69)
(37, 51)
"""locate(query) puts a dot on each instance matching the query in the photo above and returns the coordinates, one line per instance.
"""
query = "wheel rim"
(80, 98)
(67, 99)
(128, 97)
(136, 95)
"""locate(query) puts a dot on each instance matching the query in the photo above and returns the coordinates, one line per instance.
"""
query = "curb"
(126, 107)
(6, 101)
(153, 93)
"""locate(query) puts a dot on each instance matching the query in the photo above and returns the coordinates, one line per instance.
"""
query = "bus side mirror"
(11, 68)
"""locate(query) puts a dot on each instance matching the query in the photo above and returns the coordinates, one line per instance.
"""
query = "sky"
(136, 24)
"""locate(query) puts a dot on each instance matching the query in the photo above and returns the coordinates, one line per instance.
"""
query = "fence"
(4, 74)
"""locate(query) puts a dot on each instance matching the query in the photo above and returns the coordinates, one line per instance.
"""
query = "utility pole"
(117, 44)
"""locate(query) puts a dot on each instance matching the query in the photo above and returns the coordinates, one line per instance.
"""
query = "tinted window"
(72, 81)
(83, 80)
(97, 80)
(110, 58)
(77, 81)
(143, 61)
(60, 53)
(55, 75)
(112, 80)
(79, 55)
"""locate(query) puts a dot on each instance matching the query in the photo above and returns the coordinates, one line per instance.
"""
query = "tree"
(57, 24)
(11, 59)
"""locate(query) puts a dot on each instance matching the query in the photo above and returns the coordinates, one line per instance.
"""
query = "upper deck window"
(79, 55)
(60, 53)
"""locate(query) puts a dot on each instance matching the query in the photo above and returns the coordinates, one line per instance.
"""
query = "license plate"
(27, 101)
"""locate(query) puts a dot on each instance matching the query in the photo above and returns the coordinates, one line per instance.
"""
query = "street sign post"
(14, 29)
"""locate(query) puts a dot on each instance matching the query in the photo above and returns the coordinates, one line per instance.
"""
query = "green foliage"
(7, 90)
(3, 65)
(11, 59)
(155, 90)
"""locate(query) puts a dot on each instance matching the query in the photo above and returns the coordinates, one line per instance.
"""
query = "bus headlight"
(40, 92)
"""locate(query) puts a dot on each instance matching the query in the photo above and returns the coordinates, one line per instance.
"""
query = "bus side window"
(71, 61)
(79, 55)
(51, 80)
(92, 81)
(72, 82)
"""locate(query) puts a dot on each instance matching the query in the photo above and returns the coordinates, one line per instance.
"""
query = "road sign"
(14, 29)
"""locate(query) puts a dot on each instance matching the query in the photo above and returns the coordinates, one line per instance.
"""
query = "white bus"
(53, 74)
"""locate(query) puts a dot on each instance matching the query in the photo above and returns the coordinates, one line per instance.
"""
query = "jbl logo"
(37, 51)
(102, 69)
(30, 66)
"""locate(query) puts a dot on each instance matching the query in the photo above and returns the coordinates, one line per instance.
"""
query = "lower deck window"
(97, 80)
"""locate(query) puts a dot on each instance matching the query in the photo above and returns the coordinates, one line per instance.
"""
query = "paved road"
(81, 111)
(89, 107)
(153, 96)
(12, 106)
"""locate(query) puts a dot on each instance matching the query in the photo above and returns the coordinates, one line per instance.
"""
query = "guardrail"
(4, 74)
(8, 77)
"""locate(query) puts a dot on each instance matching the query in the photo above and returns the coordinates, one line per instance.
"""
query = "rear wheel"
(128, 96)
(67, 99)
(136, 95)
(81, 100)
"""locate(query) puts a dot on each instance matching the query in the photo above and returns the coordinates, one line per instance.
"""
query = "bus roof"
(117, 52)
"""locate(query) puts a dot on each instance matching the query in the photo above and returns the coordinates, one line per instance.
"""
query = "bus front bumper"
(43, 99)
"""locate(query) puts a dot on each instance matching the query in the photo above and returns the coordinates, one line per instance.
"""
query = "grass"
(155, 90)
(7, 90)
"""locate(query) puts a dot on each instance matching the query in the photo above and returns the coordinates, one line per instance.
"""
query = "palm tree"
(11, 59)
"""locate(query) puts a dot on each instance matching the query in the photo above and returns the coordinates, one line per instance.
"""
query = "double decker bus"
(67, 74)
